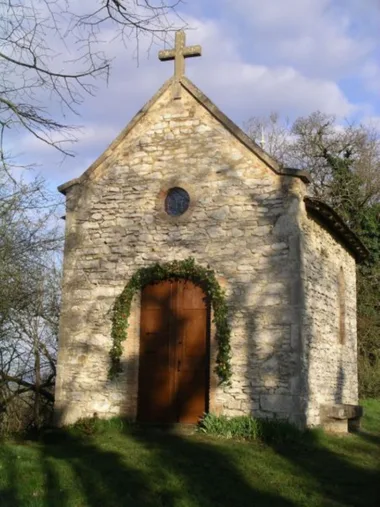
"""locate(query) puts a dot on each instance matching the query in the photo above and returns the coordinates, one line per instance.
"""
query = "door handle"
(179, 365)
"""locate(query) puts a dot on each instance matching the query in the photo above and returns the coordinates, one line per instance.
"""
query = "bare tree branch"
(31, 387)
(51, 52)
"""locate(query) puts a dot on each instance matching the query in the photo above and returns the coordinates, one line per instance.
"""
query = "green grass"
(115, 464)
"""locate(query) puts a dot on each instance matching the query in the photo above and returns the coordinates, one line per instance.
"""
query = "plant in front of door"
(188, 270)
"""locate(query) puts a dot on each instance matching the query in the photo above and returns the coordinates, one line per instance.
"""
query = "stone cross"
(178, 54)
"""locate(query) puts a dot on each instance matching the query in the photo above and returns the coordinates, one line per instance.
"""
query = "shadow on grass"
(308, 464)
(371, 438)
(169, 470)
(9, 490)
(152, 468)
(338, 478)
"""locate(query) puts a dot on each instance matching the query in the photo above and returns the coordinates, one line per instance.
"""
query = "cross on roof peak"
(178, 54)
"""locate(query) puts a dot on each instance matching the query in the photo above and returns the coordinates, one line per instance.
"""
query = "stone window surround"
(161, 212)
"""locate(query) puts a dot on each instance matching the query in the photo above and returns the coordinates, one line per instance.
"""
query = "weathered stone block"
(277, 403)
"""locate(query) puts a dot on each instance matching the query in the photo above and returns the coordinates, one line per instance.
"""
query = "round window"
(177, 202)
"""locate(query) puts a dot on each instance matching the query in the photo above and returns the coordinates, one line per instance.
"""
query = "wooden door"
(174, 360)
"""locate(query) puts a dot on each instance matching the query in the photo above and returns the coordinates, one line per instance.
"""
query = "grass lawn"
(122, 466)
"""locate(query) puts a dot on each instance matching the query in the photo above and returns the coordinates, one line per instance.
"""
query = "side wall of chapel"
(329, 324)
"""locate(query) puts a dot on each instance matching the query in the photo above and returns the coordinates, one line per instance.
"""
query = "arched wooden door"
(174, 353)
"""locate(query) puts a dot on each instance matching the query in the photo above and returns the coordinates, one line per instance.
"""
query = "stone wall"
(329, 332)
(243, 221)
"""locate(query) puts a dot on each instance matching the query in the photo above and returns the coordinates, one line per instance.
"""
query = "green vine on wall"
(186, 269)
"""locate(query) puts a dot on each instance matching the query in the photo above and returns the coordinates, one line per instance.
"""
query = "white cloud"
(247, 90)
(242, 88)
(320, 37)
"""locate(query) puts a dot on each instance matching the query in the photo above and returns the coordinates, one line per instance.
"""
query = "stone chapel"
(182, 182)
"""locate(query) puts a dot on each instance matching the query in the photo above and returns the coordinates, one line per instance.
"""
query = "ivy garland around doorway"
(187, 269)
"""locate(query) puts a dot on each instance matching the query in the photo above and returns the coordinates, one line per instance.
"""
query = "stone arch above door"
(128, 305)
(186, 269)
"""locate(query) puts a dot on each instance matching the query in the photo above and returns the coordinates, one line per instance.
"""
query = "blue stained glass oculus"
(177, 202)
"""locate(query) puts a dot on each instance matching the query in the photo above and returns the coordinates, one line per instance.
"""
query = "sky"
(292, 57)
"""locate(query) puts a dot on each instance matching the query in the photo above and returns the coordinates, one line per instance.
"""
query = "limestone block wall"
(329, 324)
(242, 222)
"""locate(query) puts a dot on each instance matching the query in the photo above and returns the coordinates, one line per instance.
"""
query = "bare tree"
(310, 142)
(275, 135)
(28, 350)
(53, 49)
(29, 299)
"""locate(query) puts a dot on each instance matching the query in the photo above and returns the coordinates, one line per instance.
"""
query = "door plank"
(156, 390)
(192, 352)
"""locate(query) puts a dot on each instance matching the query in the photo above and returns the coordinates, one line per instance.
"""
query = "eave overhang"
(330, 218)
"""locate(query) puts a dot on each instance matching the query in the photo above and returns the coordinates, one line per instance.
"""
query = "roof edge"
(107, 152)
(338, 226)
(65, 186)
(214, 111)
(305, 176)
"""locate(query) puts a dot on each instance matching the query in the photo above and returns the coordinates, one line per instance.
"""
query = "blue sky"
(288, 56)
